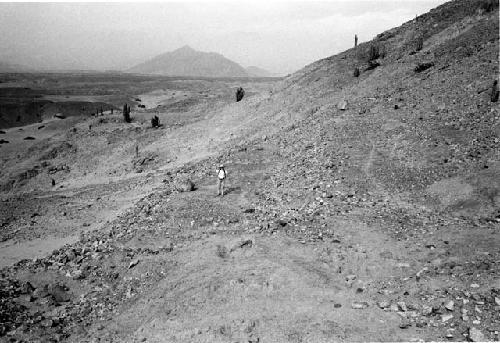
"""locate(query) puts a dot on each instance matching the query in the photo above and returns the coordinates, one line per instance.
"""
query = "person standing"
(221, 177)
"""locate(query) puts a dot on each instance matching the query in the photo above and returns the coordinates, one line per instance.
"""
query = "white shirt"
(221, 174)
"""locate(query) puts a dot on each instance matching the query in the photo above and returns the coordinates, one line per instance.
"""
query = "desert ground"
(357, 208)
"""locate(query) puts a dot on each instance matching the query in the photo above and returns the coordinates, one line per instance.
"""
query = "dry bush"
(374, 52)
(488, 5)
(419, 43)
(222, 251)
(356, 72)
(155, 121)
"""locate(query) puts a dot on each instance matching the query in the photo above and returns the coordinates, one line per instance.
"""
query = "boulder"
(476, 335)
(185, 186)
(342, 105)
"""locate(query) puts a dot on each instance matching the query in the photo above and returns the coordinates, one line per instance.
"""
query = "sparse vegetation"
(222, 251)
(240, 93)
(374, 52)
(423, 66)
(383, 188)
(488, 5)
(155, 121)
(419, 43)
(372, 65)
(494, 91)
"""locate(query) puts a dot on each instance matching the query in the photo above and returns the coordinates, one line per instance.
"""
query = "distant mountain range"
(189, 62)
(6, 67)
(258, 72)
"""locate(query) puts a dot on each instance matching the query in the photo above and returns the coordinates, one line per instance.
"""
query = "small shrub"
(494, 91)
(488, 5)
(222, 251)
(419, 43)
(240, 93)
(423, 66)
(373, 52)
(356, 72)
(372, 65)
(155, 121)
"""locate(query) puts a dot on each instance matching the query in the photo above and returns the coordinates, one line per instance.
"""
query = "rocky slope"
(186, 61)
(358, 208)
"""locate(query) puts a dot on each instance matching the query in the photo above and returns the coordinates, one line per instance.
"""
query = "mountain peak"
(185, 48)
(187, 61)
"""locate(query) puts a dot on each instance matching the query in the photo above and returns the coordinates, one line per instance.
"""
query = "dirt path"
(272, 289)
(227, 283)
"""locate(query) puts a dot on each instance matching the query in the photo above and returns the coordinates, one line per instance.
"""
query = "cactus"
(355, 40)
(126, 113)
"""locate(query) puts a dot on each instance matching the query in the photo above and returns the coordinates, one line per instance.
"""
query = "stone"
(402, 306)
(359, 305)
(394, 308)
(383, 304)
(41, 292)
(59, 293)
(446, 317)
(186, 186)
(450, 305)
(70, 254)
(426, 310)
(474, 285)
(342, 105)
(476, 335)
(133, 263)
(405, 323)
(27, 288)
(350, 278)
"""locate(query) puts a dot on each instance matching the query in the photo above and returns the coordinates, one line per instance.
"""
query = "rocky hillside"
(362, 204)
(188, 62)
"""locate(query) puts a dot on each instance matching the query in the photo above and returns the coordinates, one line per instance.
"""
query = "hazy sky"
(276, 35)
